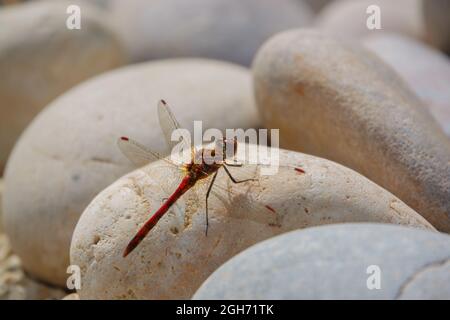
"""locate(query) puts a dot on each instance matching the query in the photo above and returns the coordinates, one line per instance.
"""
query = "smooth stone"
(178, 28)
(40, 59)
(331, 262)
(432, 282)
(425, 70)
(175, 257)
(69, 152)
(348, 18)
(339, 101)
(437, 23)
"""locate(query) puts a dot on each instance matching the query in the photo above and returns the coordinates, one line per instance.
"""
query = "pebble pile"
(361, 197)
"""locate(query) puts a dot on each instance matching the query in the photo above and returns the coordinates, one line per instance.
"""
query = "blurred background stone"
(348, 18)
(15, 284)
(333, 262)
(437, 23)
(425, 70)
(317, 5)
(41, 58)
(230, 30)
(1, 204)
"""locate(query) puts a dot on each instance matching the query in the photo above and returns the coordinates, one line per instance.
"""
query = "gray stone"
(424, 69)
(348, 18)
(331, 262)
(229, 30)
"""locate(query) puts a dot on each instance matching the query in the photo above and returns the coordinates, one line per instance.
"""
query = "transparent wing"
(167, 122)
(137, 153)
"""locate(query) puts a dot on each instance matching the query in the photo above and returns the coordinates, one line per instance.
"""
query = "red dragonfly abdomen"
(184, 186)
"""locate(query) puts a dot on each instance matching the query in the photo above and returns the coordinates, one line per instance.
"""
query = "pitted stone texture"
(69, 152)
(176, 257)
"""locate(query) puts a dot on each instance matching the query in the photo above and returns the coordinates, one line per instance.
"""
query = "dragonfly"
(193, 171)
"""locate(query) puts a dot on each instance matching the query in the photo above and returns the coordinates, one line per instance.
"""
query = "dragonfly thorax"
(198, 171)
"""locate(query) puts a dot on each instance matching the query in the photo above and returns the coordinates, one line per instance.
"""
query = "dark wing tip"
(163, 102)
(300, 170)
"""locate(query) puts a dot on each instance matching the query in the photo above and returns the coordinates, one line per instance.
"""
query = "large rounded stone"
(69, 152)
(348, 18)
(231, 30)
(176, 256)
(336, 100)
(437, 23)
(338, 262)
(424, 69)
(40, 59)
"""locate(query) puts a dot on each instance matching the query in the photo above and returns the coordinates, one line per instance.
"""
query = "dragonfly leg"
(234, 164)
(233, 179)
(207, 196)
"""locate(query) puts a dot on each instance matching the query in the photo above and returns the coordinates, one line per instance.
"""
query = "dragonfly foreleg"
(234, 164)
(206, 200)
(233, 179)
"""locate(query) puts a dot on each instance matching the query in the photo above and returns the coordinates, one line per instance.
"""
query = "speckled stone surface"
(339, 101)
(176, 257)
(331, 262)
(69, 153)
